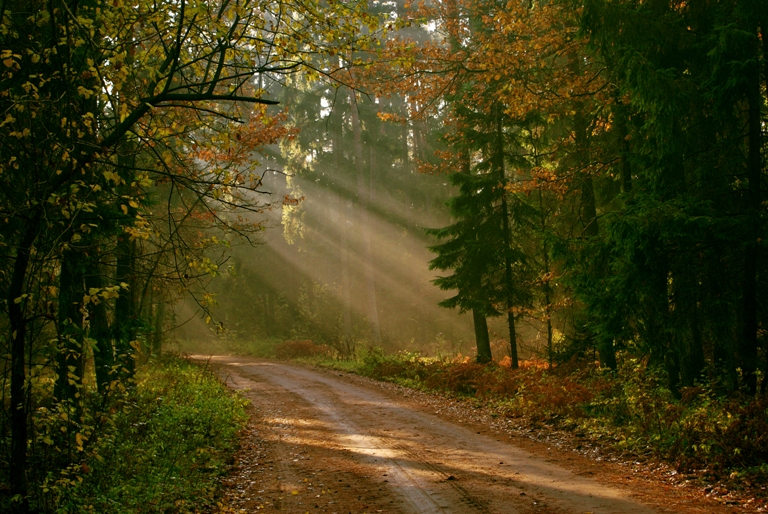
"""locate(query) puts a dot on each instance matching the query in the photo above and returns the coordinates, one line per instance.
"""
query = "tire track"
(449, 479)
(373, 448)
(401, 459)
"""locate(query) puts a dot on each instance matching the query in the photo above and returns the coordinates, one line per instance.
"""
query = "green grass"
(262, 348)
(350, 366)
(160, 449)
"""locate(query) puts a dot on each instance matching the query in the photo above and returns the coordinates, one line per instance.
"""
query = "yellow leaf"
(124, 208)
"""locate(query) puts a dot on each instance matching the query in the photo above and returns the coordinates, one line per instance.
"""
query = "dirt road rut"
(323, 442)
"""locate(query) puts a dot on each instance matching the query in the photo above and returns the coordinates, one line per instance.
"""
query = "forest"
(575, 184)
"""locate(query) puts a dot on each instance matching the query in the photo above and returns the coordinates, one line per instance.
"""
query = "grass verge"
(161, 448)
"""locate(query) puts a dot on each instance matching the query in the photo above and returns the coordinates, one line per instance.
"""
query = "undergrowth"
(301, 349)
(228, 344)
(629, 410)
(160, 448)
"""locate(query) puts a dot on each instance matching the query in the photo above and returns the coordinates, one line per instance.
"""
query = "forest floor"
(327, 441)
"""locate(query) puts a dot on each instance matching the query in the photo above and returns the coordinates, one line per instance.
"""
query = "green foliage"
(675, 268)
(469, 247)
(404, 367)
(159, 449)
(128, 130)
(701, 430)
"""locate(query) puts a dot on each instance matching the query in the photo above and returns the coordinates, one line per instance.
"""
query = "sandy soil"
(322, 441)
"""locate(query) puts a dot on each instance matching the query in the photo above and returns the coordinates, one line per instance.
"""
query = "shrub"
(630, 409)
(301, 349)
(160, 448)
(400, 366)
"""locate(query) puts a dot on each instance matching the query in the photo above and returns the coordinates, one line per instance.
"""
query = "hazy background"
(345, 261)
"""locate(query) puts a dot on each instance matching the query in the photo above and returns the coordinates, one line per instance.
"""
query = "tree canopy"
(607, 160)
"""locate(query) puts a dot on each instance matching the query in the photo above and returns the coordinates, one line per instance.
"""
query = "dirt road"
(322, 441)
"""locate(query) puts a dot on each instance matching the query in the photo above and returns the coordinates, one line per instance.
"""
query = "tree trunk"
(695, 361)
(69, 367)
(512, 337)
(660, 331)
(605, 347)
(672, 365)
(506, 237)
(125, 305)
(547, 288)
(688, 343)
(144, 310)
(103, 355)
(344, 207)
(547, 306)
(482, 338)
(621, 130)
(370, 269)
(157, 333)
(404, 149)
(418, 149)
(18, 326)
(588, 203)
(607, 354)
(588, 209)
(346, 295)
(725, 364)
(751, 250)
(365, 229)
